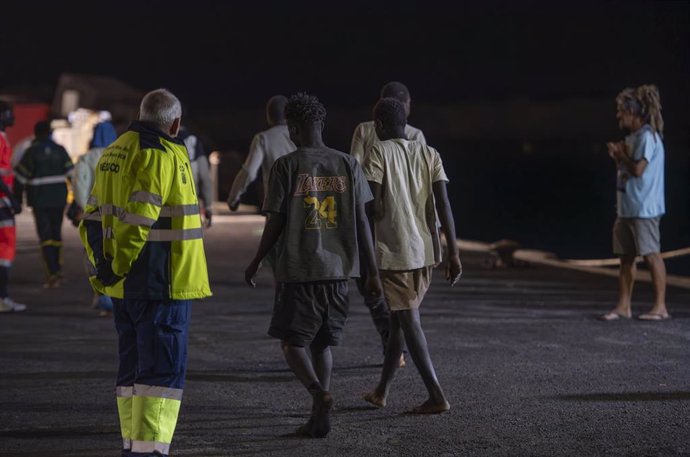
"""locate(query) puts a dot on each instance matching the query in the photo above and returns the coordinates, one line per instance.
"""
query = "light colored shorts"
(633, 236)
(405, 289)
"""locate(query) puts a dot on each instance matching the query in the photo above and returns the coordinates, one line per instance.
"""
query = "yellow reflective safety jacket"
(143, 217)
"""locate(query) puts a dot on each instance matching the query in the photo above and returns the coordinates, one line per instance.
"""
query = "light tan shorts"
(405, 289)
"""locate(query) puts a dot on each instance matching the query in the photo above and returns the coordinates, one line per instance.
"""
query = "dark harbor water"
(552, 195)
(557, 196)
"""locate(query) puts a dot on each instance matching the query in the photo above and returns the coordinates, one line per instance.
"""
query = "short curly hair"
(391, 112)
(397, 90)
(275, 108)
(303, 108)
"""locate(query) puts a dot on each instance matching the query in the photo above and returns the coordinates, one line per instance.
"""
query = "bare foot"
(306, 429)
(323, 402)
(430, 407)
(375, 399)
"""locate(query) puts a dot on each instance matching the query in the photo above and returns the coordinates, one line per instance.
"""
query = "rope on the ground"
(616, 261)
(595, 266)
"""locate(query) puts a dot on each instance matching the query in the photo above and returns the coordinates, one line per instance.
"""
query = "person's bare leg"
(299, 362)
(322, 358)
(419, 351)
(320, 421)
(391, 363)
(626, 281)
(658, 270)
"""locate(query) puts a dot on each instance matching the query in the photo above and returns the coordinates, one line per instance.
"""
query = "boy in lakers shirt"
(315, 204)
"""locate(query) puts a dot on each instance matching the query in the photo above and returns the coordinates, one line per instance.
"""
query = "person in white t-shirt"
(267, 146)
(409, 187)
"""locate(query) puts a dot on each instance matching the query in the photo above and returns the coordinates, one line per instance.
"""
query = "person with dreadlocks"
(409, 186)
(315, 203)
(640, 198)
(362, 141)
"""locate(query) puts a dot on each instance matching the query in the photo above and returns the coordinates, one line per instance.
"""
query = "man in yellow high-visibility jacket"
(142, 232)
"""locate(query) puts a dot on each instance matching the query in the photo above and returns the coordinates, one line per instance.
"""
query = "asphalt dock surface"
(527, 367)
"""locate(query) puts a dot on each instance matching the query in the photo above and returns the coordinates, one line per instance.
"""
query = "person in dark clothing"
(316, 218)
(42, 172)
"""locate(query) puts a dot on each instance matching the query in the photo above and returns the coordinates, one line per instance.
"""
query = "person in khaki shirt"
(409, 187)
(363, 139)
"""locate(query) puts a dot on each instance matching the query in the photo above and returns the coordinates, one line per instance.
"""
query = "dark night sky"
(218, 54)
(225, 58)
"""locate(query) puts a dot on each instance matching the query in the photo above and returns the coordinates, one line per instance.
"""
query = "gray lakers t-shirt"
(318, 189)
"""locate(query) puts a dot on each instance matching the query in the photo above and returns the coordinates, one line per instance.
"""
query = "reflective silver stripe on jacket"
(5, 171)
(7, 223)
(127, 444)
(43, 180)
(124, 216)
(175, 234)
(149, 447)
(121, 214)
(179, 210)
(95, 216)
(141, 196)
(5, 202)
(20, 178)
(5, 263)
(143, 390)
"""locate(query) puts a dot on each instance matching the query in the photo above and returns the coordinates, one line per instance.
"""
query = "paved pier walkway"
(528, 369)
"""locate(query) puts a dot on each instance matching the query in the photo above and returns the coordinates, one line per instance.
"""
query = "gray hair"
(160, 107)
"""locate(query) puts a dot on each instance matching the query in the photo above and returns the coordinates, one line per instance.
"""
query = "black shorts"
(307, 312)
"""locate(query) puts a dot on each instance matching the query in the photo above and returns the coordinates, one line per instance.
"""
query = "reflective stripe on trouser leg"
(155, 410)
(124, 410)
(127, 348)
(161, 328)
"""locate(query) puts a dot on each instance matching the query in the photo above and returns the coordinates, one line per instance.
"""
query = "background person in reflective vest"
(142, 233)
(9, 206)
(42, 172)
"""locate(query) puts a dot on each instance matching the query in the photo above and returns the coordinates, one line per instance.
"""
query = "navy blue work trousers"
(152, 341)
